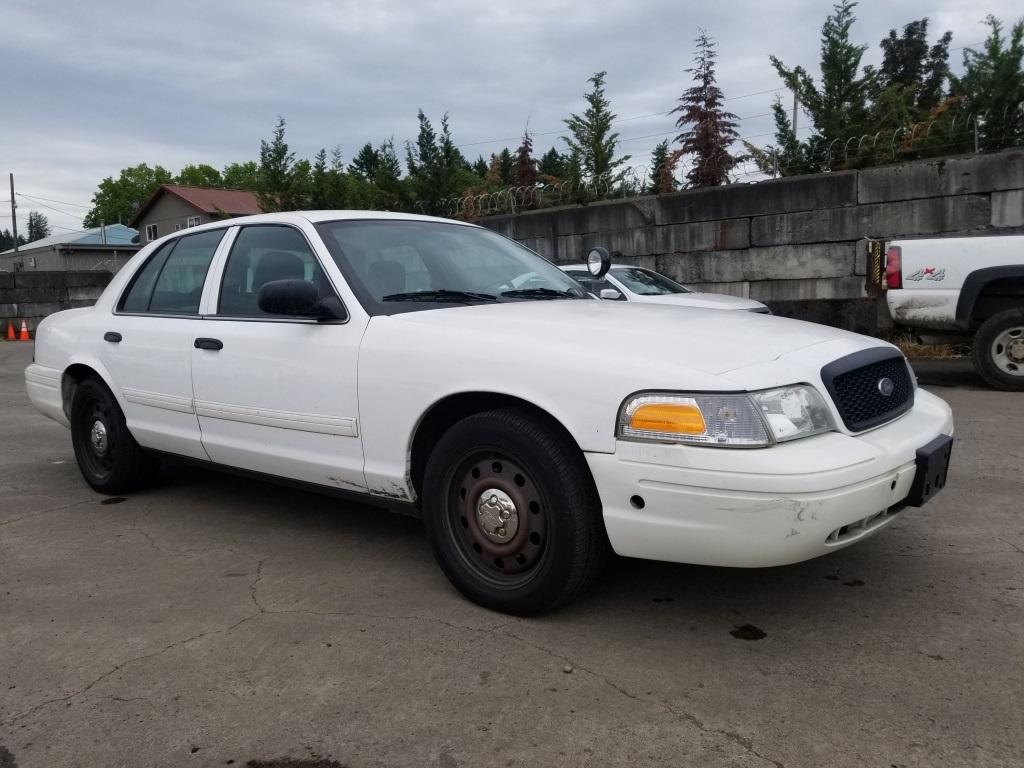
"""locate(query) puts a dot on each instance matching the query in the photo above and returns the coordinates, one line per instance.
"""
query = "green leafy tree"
(707, 129)
(116, 200)
(38, 226)
(591, 141)
(241, 176)
(992, 86)
(201, 175)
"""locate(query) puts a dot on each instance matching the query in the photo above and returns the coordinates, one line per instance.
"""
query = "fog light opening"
(637, 502)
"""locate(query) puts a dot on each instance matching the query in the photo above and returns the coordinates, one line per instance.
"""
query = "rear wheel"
(999, 350)
(108, 456)
(512, 513)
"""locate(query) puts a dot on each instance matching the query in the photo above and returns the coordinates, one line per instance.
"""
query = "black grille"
(855, 383)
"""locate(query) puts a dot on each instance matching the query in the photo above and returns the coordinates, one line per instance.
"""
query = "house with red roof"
(173, 207)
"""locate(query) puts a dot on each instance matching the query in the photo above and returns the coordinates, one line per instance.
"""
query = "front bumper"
(762, 507)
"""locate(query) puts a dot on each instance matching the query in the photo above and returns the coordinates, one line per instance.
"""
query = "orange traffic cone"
(23, 336)
(10, 331)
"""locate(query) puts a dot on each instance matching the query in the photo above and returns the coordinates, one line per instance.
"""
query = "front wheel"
(512, 513)
(999, 350)
(108, 456)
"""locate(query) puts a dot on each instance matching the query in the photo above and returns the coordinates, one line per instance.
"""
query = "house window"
(151, 234)
(193, 221)
(177, 227)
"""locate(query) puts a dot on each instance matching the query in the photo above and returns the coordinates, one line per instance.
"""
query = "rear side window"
(172, 281)
(263, 254)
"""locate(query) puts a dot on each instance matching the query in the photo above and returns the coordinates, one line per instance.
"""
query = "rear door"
(277, 394)
(147, 345)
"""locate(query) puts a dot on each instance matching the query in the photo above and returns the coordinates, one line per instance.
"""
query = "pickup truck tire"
(999, 350)
(512, 513)
(108, 456)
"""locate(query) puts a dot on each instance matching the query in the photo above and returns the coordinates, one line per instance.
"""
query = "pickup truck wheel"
(999, 350)
(108, 456)
(512, 514)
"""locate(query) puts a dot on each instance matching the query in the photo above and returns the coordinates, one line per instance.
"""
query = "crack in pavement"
(499, 628)
(736, 738)
(40, 512)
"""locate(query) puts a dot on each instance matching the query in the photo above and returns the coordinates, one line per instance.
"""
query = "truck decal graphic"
(927, 273)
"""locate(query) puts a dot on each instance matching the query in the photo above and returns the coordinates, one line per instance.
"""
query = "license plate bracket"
(932, 469)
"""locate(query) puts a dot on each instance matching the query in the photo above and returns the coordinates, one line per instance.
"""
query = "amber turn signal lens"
(668, 417)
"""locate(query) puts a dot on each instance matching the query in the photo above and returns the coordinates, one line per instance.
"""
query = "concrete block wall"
(31, 296)
(797, 244)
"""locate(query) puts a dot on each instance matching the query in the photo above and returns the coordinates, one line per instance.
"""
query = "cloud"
(94, 87)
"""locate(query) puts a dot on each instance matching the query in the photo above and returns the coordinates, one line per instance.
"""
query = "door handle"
(213, 344)
(112, 336)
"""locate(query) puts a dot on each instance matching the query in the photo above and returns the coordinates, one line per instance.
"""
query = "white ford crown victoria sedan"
(628, 283)
(406, 360)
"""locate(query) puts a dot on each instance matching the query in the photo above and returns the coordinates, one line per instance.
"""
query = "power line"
(50, 207)
(59, 202)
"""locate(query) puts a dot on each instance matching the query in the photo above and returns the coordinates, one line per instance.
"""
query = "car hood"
(698, 299)
(599, 334)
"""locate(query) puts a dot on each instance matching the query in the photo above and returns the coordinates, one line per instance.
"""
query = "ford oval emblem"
(885, 386)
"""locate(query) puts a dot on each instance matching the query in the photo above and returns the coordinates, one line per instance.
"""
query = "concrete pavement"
(216, 621)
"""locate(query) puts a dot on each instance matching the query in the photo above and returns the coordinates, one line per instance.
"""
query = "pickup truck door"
(277, 394)
(147, 341)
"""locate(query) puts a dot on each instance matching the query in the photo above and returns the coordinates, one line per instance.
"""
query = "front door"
(277, 394)
(147, 344)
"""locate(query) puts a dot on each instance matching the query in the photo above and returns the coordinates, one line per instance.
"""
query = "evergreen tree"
(591, 142)
(364, 164)
(437, 169)
(38, 227)
(276, 173)
(707, 129)
(917, 72)
(524, 172)
(116, 200)
(552, 164)
(480, 166)
(839, 107)
(661, 178)
(7, 240)
(321, 192)
(992, 86)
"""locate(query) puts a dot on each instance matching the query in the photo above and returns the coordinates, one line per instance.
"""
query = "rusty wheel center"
(497, 516)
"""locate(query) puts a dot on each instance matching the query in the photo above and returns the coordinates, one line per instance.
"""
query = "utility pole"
(14, 215)
(796, 106)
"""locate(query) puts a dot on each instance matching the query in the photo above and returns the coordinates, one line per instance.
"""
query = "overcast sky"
(90, 87)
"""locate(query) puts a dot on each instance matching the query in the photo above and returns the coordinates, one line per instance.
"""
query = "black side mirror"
(298, 298)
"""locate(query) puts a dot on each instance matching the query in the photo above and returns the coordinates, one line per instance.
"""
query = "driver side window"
(262, 254)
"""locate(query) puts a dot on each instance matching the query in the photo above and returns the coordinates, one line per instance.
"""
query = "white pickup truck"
(960, 288)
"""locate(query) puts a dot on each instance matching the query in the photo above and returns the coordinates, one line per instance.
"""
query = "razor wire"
(955, 133)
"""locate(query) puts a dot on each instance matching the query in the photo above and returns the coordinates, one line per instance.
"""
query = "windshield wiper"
(440, 295)
(539, 293)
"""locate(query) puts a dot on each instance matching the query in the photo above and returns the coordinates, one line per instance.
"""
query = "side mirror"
(298, 298)
(610, 294)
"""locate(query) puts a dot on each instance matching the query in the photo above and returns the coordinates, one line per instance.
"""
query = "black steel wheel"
(512, 513)
(108, 457)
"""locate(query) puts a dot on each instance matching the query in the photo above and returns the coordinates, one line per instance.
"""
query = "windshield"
(646, 282)
(400, 266)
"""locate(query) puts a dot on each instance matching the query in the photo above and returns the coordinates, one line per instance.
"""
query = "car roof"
(291, 217)
(613, 266)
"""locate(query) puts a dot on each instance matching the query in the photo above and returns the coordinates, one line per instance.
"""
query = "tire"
(108, 457)
(999, 350)
(541, 552)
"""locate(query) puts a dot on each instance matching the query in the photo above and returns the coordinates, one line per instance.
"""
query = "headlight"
(792, 412)
(753, 420)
